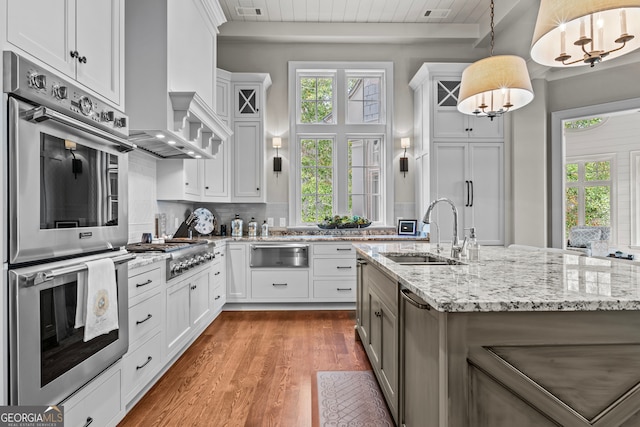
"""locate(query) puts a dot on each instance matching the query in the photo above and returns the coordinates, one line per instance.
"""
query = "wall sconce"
(276, 142)
(404, 161)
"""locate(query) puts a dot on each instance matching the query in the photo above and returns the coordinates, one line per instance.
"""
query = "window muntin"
(316, 98)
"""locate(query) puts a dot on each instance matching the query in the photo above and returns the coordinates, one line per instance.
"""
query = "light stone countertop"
(318, 238)
(513, 280)
(146, 258)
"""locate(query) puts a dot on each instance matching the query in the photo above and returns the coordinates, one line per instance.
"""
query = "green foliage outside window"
(316, 103)
(595, 203)
(316, 173)
(582, 123)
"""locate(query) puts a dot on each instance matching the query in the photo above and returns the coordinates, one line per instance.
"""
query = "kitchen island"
(514, 339)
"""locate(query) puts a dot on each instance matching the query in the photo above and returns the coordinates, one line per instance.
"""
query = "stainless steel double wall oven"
(67, 205)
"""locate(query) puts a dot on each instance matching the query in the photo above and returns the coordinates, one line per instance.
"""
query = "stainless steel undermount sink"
(420, 259)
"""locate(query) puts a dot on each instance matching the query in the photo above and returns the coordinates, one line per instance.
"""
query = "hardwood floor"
(253, 369)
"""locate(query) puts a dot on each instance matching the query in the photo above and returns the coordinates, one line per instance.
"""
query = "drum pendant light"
(580, 32)
(495, 85)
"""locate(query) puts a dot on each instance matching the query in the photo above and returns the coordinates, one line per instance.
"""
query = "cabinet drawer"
(334, 249)
(144, 279)
(280, 284)
(99, 406)
(143, 317)
(218, 298)
(335, 289)
(141, 365)
(334, 266)
(382, 285)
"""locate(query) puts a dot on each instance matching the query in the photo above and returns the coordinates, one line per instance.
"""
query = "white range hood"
(194, 131)
(170, 79)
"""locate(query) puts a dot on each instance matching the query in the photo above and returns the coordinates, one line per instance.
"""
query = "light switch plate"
(283, 222)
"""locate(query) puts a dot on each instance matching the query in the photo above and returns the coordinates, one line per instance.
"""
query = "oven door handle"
(44, 276)
(40, 114)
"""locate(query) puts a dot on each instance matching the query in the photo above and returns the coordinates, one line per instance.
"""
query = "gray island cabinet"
(515, 339)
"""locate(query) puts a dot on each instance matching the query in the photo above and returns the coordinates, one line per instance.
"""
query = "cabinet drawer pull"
(343, 249)
(378, 313)
(340, 267)
(407, 295)
(217, 297)
(149, 358)
(279, 284)
(89, 421)
(343, 289)
(139, 285)
(216, 273)
(194, 287)
(149, 316)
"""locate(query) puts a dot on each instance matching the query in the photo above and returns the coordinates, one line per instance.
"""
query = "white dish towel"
(97, 305)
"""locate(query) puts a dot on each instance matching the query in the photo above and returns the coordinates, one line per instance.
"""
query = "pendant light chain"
(492, 31)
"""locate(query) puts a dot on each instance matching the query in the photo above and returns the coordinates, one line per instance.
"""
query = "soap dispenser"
(474, 247)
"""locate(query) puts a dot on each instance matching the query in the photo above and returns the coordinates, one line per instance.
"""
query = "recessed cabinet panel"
(98, 39)
(471, 176)
(81, 39)
(248, 167)
(45, 29)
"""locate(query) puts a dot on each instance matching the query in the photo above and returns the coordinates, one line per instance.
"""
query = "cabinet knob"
(378, 313)
(206, 188)
(258, 189)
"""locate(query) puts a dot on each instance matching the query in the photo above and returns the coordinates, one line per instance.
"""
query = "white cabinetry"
(471, 175)
(334, 272)
(449, 123)
(84, 40)
(278, 285)
(146, 321)
(179, 179)
(237, 171)
(218, 281)
(237, 266)
(249, 142)
(187, 308)
(458, 156)
(99, 403)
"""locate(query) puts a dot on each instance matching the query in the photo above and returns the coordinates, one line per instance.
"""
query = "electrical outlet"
(283, 222)
(270, 222)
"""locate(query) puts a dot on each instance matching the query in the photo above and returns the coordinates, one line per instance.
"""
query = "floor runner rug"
(351, 398)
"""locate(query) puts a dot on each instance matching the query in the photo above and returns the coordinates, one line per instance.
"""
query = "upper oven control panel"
(32, 83)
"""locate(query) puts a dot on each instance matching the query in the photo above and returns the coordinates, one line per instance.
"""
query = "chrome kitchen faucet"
(456, 249)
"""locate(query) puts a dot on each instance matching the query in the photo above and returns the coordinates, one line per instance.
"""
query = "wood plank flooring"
(253, 369)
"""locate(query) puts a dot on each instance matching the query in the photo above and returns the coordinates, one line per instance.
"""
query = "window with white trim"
(588, 191)
(340, 124)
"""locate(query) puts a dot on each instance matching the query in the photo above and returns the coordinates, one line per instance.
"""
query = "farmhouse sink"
(419, 259)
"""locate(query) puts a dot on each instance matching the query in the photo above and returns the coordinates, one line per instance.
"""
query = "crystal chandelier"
(492, 86)
(580, 32)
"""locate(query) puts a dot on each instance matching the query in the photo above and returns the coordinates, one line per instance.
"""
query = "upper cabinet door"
(45, 29)
(98, 39)
(82, 39)
(247, 101)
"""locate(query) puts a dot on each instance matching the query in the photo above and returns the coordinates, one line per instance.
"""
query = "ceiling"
(389, 21)
(370, 11)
